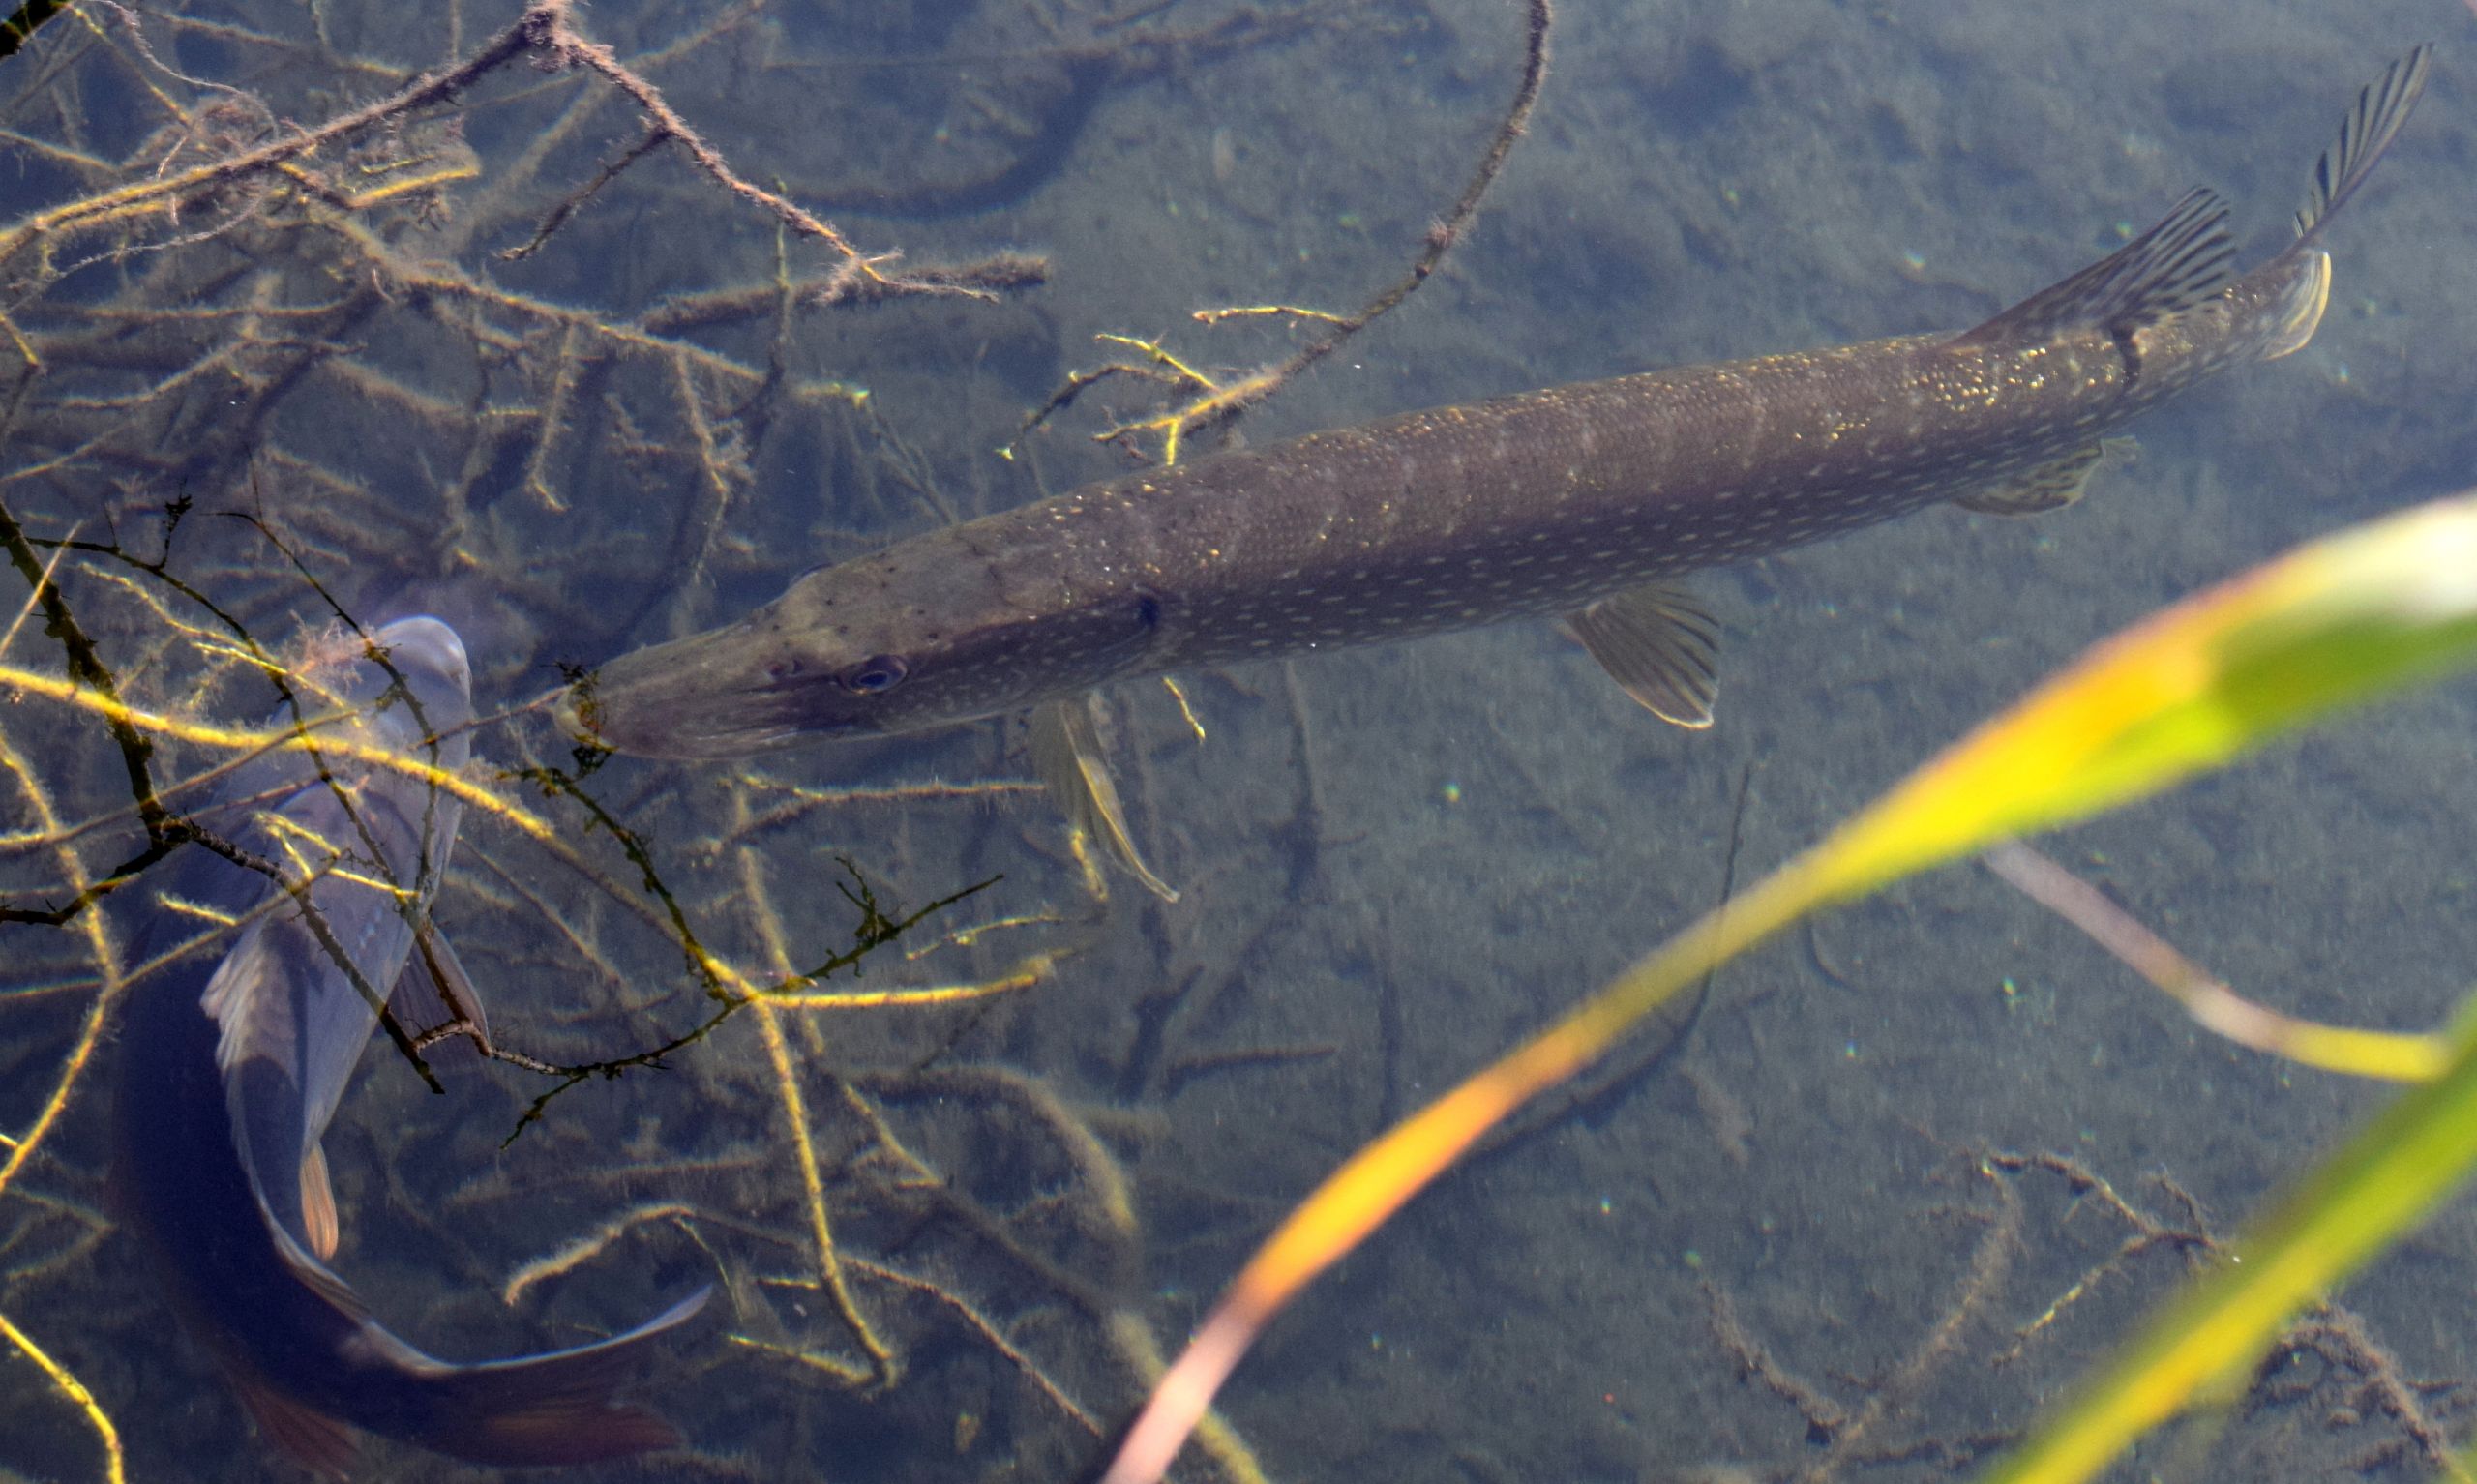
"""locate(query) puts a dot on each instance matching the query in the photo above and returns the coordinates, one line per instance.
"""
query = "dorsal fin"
(2363, 134)
(2165, 271)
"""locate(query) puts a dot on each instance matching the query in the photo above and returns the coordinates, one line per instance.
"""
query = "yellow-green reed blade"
(2331, 623)
(2385, 1179)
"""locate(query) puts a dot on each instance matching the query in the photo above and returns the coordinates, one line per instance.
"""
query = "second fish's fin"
(319, 1204)
(434, 991)
(309, 1437)
(552, 1409)
(1661, 644)
(1066, 754)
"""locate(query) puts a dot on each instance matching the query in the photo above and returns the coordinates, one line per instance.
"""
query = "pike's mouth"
(700, 730)
(678, 743)
(690, 700)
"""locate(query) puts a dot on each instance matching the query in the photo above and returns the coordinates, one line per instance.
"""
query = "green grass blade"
(2386, 1179)
(2332, 624)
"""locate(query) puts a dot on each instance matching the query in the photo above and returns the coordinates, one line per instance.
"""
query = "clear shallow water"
(1395, 861)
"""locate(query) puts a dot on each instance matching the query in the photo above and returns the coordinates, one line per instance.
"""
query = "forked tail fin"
(560, 1407)
(2303, 271)
(2363, 134)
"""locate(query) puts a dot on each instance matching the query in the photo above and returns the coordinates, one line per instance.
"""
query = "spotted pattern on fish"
(1521, 507)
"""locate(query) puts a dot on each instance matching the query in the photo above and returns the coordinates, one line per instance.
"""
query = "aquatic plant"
(224, 338)
(2341, 622)
(947, 1238)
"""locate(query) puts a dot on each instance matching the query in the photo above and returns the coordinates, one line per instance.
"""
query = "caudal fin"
(2302, 273)
(560, 1407)
(2380, 110)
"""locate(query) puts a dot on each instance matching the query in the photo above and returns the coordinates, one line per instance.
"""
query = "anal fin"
(1661, 646)
(1066, 754)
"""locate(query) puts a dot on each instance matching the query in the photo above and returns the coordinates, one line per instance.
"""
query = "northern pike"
(1583, 501)
(231, 1070)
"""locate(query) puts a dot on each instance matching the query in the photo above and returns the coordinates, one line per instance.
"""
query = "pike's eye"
(875, 675)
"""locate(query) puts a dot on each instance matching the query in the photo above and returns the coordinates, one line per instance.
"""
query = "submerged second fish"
(1579, 500)
(231, 1070)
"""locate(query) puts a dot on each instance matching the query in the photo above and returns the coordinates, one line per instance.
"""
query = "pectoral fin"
(1660, 644)
(319, 1204)
(1066, 754)
(2048, 487)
